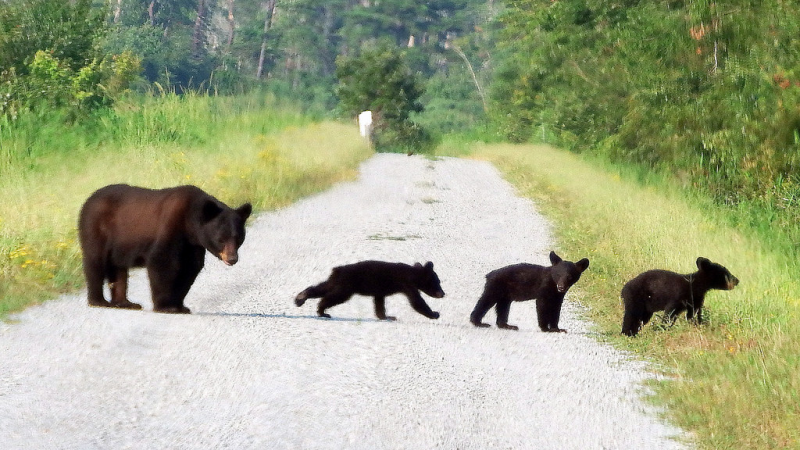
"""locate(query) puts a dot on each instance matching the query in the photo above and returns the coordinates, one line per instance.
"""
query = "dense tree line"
(706, 91)
(290, 47)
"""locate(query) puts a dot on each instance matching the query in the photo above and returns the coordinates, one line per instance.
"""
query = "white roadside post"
(365, 125)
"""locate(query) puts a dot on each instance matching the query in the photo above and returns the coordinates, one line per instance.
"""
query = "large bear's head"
(222, 229)
(566, 273)
(427, 280)
(717, 275)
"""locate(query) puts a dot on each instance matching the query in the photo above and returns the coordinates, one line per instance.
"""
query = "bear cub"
(377, 279)
(520, 282)
(167, 231)
(662, 290)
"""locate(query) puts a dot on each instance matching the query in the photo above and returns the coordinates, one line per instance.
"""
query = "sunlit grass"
(237, 153)
(733, 382)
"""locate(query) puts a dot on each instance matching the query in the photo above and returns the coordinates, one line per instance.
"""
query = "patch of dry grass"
(39, 253)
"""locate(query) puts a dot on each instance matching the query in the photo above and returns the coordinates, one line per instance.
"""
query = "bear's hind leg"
(332, 299)
(483, 306)
(118, 284)
(95, 275)
(380, 309)
(503, 308)
(632, 321)
(317, 291)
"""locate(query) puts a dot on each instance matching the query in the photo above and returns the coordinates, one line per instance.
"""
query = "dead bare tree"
(270, 7)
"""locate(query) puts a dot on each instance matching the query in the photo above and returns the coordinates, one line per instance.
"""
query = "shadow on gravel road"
(284, 316)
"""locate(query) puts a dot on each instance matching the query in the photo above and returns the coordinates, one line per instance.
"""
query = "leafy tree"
(69, 30)
(380, 81)
(49, 58)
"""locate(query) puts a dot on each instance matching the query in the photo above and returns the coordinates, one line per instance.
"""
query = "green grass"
(733, 382)
(236, 149)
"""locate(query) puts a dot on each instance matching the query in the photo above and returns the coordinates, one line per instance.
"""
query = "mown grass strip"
(733, 382)
(254, 154)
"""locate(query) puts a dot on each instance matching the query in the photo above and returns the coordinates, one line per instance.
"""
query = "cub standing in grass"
(662, 290)
(167, 231)
(377, 279)
(520, 282)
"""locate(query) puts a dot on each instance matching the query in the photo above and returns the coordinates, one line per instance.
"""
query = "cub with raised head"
(379, 280)
(520, 282)
(167, 231)
(662, 290)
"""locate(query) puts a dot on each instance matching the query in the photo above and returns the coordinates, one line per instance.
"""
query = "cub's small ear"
(554, 259)
(583, 264)
(210, 210)
(702, 262)
(429, 265)
(244, 211)
(417, 265)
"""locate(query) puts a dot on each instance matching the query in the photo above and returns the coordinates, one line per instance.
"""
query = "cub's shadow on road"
(285, 316)
(467, 326)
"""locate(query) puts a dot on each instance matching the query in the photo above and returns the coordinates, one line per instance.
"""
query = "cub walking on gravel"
(520, 282)
(377, 279)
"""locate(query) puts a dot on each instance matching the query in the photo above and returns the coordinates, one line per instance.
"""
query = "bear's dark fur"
(662, 290)
(377, 279)
(520, 282)
(167, 231)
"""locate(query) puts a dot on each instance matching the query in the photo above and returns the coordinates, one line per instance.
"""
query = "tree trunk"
(117, 11)
(270, 7)
(231, 24)
(198, 35)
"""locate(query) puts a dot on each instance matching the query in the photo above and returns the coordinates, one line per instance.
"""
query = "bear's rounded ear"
(554, 259)
(417, 266)
(583, 264)
(244, 211)
(703, 262)
(210, 210)
(429, 265)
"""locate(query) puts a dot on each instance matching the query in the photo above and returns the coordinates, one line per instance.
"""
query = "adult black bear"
(377, 279)
(167, 231)
(520, 282)
(662, 290)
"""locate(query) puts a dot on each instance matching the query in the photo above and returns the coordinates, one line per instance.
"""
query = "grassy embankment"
(733, 382)
(237, 149)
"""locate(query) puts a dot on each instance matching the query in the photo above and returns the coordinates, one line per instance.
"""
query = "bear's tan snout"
(732, 282)
(229, 255)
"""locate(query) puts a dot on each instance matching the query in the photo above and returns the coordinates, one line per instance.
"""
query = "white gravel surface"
(249, 370)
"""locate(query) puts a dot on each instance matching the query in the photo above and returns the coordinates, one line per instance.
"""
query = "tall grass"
(237, 149)
(734, 382)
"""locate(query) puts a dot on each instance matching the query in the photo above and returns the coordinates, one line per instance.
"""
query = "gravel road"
(249, 370)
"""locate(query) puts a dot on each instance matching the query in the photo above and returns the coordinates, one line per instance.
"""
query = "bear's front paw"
(506, 326)
(173, 310)
(389, 318)
(435, 315)
(324, 315)
(481, 324)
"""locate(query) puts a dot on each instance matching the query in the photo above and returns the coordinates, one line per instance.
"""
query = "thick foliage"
(708, 91)
(49, 59)
(380, 81)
